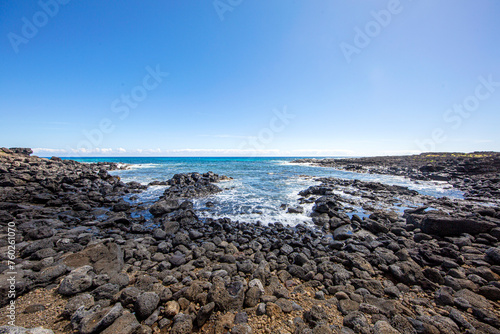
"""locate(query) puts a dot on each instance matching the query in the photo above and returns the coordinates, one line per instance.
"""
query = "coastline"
(413, 271)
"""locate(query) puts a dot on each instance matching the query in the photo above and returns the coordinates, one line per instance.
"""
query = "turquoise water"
(259, 186)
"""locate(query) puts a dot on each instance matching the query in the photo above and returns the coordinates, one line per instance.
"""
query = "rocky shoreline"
(86, 263)
(477, 173)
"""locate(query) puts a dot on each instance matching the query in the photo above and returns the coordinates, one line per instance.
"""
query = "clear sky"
(249, 77)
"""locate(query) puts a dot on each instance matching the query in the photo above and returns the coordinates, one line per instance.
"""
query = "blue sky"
(278, 78)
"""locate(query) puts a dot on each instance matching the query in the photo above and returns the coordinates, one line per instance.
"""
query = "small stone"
(273, 311)
(261, 309)
(34, 308)
(172, 308)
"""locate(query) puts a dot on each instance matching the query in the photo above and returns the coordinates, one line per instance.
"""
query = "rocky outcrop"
(477, 173)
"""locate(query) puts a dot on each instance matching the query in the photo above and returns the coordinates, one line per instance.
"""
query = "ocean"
(259, 187)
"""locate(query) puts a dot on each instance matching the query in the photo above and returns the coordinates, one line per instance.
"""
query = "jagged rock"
(126, 324)
(86, 300)
(95, 322)
(204, 314)
(77, 281)
(104, 257)
(227, 297)
(183, 324)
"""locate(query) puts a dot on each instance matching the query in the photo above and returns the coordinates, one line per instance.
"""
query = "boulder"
(383, 327)
(228, 297)
(104, 257)
(183, 324)
(493, 254)
(77, 281)
(163, 207)
(146, 304)
(126, 324)
(449, 226)
(95, 322)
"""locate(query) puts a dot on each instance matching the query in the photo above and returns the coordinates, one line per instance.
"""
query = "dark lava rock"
(316, 315)
(228, 297)
(204, 314)
(77, 281)
(163, 207)
(183, 324)
(126, 324)
(493, 254)
(357, 321)
(95, 322)
(450, 226)
(146, 304)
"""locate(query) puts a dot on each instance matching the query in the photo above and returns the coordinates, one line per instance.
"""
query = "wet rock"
(163, 207)
(343, 232)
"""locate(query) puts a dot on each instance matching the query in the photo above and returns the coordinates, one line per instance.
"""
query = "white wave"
(142, 166)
